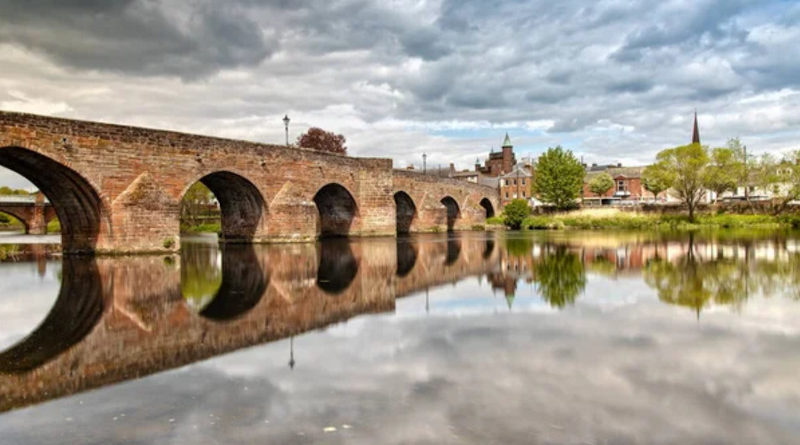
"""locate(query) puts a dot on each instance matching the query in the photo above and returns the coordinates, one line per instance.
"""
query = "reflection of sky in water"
(25, 298)
(460, 366)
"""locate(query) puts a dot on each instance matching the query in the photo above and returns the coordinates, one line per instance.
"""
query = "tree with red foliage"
(322, 140)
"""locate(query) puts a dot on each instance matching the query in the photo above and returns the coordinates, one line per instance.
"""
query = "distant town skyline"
(447, 78)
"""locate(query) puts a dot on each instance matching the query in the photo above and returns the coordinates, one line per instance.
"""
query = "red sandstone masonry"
(118, 188)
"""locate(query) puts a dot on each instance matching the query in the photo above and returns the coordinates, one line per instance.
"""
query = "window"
(523, 181)
(515, 196)
(523, 194)
(620, 186)
(513, 182)
(506, 195)
(502, 182)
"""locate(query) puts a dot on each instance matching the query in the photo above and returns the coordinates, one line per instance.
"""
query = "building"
(498, 163)
(515, 184)
(627, 189)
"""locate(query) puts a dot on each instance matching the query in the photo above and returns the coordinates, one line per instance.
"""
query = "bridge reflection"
(125, 317)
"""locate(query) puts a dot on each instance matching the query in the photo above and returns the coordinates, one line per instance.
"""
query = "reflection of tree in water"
(519, 247)
(221, 285)
(337, 265)
(201, 274)
(560, 277)
(696, 284)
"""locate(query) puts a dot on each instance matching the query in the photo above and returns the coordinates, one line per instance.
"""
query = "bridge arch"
(337, 210)
(453, 211)
(488, 207)
(405, 211)
(243, 209)
(80, 209)
(23, 219)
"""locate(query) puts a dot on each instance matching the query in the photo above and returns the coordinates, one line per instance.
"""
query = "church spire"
(696, 132)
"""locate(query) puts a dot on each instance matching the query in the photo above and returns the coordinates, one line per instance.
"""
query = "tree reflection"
(201, 274)
(695, 283)
(560, 277)
(221, 285)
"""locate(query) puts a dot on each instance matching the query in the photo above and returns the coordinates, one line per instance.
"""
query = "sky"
(612, 80)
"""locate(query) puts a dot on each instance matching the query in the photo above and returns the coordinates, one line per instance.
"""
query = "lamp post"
(286, 126)
(424, 165)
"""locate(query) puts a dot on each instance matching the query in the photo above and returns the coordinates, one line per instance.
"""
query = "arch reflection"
(337, 265)
(77, 310)
(406, 256)
(222, 284)
(453, 250)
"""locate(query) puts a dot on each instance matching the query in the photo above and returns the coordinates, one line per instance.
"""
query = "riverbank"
(614, 219)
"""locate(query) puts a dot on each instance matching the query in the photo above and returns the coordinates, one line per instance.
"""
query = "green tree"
(6, 190)
(559, 178)
(724, 171)
(560, 277)
(515, 212)
(779, 178)
(656, 179)
(601, 183)
(195, 203)
(686, 166)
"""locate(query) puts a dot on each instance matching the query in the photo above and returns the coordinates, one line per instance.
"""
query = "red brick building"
(498, 163)
(627, 187)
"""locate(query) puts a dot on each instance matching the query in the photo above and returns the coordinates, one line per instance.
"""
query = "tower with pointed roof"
(508, 155)
(696, 131)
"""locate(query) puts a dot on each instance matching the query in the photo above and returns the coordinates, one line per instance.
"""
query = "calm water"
(573, 338)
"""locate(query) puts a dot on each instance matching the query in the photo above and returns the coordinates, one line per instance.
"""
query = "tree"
(723, 172)
(322, 140)
(559, 178)
(686, 165)
(601, 183)
(197, 201)
(781, 178)
(656, 179)
(515, 212)
(6, 190)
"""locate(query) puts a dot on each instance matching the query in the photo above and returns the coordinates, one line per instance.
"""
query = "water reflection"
(337, 265)
(117, 319)
(77, 310)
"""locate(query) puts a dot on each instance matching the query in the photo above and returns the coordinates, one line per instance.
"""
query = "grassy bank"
(613, 219)
(212, 227)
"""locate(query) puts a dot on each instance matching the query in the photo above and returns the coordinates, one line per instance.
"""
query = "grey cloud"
(640, 65)
(137, 37)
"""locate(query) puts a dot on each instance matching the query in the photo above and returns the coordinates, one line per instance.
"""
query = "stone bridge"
(32, 211)
(118, 188)
(118, 318)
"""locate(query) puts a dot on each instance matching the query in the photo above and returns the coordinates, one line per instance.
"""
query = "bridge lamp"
(286, 126)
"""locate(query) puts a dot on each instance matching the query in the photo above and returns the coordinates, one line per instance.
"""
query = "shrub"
(498, 220)
(515, 212)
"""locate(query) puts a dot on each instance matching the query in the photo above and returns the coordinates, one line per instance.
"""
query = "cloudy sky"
(610, 80)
